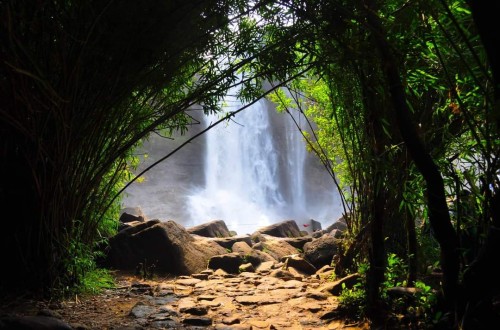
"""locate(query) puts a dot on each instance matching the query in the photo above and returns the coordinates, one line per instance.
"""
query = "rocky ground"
(265, 299)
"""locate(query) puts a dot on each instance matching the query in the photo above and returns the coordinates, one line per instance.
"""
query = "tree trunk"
(480, 280)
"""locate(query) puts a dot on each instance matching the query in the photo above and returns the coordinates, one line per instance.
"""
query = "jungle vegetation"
(403, 95)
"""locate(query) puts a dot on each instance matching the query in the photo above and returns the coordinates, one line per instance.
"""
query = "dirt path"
(208, 301)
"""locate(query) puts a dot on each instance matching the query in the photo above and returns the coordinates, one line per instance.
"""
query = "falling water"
(251, 171)
(256, 174)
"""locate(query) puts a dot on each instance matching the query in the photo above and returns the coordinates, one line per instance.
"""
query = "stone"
(215, 228)
(320, 252)
(335, 288)
(197, 321)
(287, 228)
(32, 323)
(166, 244)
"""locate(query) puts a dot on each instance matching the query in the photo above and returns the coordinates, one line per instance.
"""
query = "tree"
(81, 84)
(431, 73)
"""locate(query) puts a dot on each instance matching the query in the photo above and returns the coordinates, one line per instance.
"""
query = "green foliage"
(332, 277)
(421, 306)
(429, 254)
(426, 300)
(395, 272)
(96, 79)
(353, 301)
(95, 281)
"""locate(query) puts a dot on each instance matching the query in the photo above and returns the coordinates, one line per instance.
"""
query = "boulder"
(215, 228)
(256, 257)
(36, 322)
(336, 233)
(276, 247)
(300, 264)
(335, 288)
(248, 267)
(229, 262)
(135, 211)
(340, 224)
(127, 217)
(242, 247)
(167, 245)
(298, 242)
(288, 228)
(315, 225)
(320, 251)
(228, 242)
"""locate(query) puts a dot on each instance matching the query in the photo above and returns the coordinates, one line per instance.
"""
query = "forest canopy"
(404, 96)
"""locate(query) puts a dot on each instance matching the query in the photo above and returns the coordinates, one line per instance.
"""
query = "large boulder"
(242, 247)
(133, 211)
(256, 257)
(130, 216)
(276, 247)
(229, 262)
(300, 264)
(166, 244)
(215, 228)
(288, 228)
(127, 217)
(336, 229)
(133, 227)
(340, 224)
(320, 251)
(36, 322)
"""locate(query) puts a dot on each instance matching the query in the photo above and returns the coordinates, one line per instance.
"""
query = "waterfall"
(241, 168)
(256, 174)
(251, 171)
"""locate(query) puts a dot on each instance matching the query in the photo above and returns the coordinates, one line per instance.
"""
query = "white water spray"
(255, 174)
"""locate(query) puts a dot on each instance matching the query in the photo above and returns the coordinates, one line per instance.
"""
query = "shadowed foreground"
(212, 300)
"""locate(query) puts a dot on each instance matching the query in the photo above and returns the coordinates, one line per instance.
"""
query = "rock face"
(167, 245)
